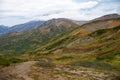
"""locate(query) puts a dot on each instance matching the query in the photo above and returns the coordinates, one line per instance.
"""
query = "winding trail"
(22, 70)
(29, 71)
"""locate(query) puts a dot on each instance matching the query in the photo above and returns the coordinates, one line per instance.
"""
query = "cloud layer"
(18, 11)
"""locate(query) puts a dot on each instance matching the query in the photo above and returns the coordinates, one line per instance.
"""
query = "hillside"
(85, 29)
(99, 49)
(94, 44)
(19, 42)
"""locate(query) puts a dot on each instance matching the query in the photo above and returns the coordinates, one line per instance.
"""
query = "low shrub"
(95, 65)
(5, 61)
(109, 55)
(45, 63)
(64, 58)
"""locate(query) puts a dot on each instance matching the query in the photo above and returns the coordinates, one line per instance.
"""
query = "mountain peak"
(59, 22)
(59, 19)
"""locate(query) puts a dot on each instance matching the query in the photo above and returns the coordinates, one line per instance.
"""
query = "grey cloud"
(14, 12)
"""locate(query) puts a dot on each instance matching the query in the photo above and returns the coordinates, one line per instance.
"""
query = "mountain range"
(29, 26)
(3, 29)
(35, 33)
(92, 44)
(26, 26)
(29, 39)
(21, 27)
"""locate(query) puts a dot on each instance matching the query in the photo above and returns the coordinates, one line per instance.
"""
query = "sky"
(14, 12)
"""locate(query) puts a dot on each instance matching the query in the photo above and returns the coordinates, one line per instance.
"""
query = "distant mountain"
(26, 26)
(3, 29)
(21, 27)
(36, 24)
(58, 24)
(28, 40)
(80, 22)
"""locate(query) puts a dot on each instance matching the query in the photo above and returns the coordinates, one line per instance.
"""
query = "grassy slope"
(90, 45)
(14, 45)
(27, 41)
(71, 36)
(99, 49)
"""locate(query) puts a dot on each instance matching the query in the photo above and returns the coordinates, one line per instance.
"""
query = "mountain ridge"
(53, 28)
(26, 26)
(36, 36)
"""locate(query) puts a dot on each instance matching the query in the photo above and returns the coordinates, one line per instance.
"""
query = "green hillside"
(94, 44)
(99, 49)
(72, 37)
(87, 46)
(21, 42)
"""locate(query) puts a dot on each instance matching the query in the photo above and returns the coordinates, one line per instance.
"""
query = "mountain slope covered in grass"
(81, 31)
(99, 49)
(20, 42)
(96, 41)
(95, 44)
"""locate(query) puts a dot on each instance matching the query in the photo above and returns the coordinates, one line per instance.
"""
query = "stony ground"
(31, 71)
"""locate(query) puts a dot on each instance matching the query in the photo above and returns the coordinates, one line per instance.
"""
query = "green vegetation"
(45, 63)
(28, 41)
(90, 45)
(64, 58)
(6, 61)
(102, 52)
(95, 65)
(109, 55)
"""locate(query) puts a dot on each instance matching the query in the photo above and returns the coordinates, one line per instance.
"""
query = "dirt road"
(20, 71)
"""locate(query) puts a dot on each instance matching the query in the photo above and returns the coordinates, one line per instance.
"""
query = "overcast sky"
(14, 12)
